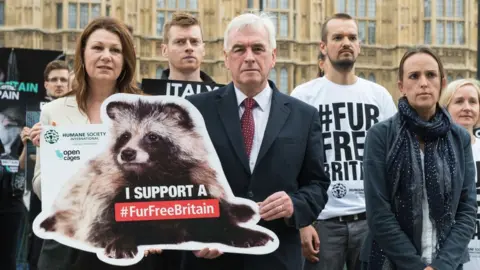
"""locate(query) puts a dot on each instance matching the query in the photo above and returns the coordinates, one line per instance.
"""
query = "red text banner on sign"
(162, 210)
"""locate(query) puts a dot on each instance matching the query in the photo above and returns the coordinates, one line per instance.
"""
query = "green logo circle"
(51, 136)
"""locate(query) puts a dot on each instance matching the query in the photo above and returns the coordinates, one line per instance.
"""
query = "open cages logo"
(69, 155)
(51, 136)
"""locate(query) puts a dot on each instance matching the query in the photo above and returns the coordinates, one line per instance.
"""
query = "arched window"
(459, 76)
(361, 75)
(284, 81)
(273, 76)
(158, 75)
(449, 78)
(371, 77)
(70, 64)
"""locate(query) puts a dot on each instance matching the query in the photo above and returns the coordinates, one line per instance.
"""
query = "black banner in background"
(176, 88)
(22, 93)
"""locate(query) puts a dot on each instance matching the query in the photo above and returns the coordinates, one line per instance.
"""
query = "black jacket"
(290, 160)
(11, 192)
(203, 76)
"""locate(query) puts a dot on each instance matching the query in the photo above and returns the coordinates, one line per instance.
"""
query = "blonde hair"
(447, 93)
(181, 19)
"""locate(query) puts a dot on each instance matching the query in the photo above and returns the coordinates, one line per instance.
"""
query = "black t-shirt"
(11, 199)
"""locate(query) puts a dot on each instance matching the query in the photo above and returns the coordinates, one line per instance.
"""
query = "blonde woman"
(461, 99)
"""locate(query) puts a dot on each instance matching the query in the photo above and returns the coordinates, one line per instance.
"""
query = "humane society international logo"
(70, 155)
(51, 136)
(339, 190)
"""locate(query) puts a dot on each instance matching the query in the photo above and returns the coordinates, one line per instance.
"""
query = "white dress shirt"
(260, 116)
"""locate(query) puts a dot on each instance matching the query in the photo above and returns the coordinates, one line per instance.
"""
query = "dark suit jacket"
(290, 160)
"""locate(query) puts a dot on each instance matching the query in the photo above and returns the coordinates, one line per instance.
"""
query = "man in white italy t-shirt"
(348, 106)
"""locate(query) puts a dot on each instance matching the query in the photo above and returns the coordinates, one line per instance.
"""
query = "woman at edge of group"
(461, 98)
(419, 177)
(105, 64)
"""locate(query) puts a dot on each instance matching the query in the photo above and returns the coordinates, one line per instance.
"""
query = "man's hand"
(207, 253)
(277, 205)
(152, 251)
(429, 268)
(310, 243)
(25, 135)
(35, 134)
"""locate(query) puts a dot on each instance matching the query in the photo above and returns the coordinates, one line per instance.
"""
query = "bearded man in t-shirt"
(348, 106)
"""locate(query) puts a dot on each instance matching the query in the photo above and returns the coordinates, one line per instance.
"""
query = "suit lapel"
(228, 112)
(74, 115)
(278, 115)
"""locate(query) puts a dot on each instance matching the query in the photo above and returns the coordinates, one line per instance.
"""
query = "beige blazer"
(62, 111)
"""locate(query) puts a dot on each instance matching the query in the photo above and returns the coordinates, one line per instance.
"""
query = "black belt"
(349, 218)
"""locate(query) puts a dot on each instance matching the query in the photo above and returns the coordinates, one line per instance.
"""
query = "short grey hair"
(253, 20)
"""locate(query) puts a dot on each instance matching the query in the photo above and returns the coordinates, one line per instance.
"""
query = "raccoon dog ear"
(116, 108)
(178, 113)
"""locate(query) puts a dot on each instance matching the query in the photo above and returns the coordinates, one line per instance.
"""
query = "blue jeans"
(340, 244)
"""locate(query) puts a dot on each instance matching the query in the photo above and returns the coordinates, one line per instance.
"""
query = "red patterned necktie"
(248, 125)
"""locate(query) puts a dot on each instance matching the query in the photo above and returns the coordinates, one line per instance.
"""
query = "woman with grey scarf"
(419, 177)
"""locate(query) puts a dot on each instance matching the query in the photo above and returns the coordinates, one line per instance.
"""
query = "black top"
(11, 197)
(203, 76)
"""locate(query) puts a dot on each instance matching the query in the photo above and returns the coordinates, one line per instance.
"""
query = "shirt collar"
(262, 98)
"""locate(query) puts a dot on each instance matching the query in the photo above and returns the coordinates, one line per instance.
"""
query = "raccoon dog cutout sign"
(148, 177)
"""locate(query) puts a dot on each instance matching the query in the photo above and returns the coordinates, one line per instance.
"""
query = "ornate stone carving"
(386, 76)
(369, 52)
(210, 12)
(144, 69)
(158, 48)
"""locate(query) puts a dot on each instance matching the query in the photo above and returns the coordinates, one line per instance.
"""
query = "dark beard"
(342, 65)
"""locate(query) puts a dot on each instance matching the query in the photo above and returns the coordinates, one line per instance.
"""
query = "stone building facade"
(387, 28)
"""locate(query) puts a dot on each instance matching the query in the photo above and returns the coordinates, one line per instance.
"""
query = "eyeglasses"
(55, 79)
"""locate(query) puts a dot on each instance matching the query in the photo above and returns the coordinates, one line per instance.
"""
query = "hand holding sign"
(35, 134)
(278, 205)
(207, 253)
(152, 251)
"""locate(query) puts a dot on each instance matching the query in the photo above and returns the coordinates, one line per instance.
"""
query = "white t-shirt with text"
(346, 113)
(474, 245)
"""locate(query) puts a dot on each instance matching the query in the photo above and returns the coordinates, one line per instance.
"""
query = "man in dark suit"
(269, 145)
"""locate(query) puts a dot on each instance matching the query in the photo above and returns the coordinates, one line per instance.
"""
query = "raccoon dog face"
(151, 135)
